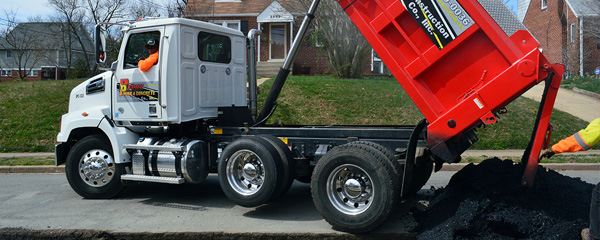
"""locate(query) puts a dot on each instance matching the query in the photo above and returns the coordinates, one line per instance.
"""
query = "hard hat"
(151, 43)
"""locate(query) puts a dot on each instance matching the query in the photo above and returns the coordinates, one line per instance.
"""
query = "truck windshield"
(136, 50)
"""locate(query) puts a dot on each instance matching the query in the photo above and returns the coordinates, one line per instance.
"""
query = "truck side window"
(214, 48)
(135, 49)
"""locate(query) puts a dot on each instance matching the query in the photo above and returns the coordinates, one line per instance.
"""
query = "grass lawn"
(591, 84)
(30, 114)
(30, 111)
(382, 101)
(26, 161)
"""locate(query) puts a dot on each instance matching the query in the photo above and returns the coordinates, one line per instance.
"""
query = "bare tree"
(177, 7)
(81, 13)
(25, 44)
(140, 9)
(105, 10)
(345, 46)
(72, 13)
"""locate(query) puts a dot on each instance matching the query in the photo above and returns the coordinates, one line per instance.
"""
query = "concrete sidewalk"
(579, 105)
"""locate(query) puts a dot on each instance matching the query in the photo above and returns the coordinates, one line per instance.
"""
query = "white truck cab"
(201, 67)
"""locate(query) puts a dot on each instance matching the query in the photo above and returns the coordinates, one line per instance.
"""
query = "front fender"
(91, 117)
(98, 118)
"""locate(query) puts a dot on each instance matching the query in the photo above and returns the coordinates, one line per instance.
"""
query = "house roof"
(522, 6)
(585, 8)
(238, 8)
(51, 35)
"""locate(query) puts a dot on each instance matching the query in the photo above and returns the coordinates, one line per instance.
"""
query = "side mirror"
(100, 44)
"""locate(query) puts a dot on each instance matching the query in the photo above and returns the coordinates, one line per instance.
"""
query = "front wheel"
(354, 188)
(91, 169)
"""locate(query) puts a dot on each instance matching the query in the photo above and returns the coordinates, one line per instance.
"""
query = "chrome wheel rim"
(350, 189)
(245, 172)
(96, 168)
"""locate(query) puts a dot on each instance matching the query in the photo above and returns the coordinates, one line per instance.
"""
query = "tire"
(91, 170)
(353, 188)
(250, 171)
(389, 154)
(287, 162)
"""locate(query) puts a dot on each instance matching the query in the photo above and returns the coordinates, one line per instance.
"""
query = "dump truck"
(195, 112)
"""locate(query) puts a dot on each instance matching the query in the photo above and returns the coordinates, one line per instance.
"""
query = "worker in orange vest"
(146, 63)
(582, 141)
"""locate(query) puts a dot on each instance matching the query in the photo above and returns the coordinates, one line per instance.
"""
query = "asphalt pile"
(488, 201)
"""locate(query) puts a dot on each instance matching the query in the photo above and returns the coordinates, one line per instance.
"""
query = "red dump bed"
(452, 58)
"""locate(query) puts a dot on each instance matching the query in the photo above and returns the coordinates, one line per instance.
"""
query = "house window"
(6, 73)
(48, 73)
(214, 48)
(573, 32)
(33, 73)
(233, 24)
(544, 4)
(8, 53)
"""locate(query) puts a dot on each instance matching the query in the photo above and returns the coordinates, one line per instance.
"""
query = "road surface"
(46, 202)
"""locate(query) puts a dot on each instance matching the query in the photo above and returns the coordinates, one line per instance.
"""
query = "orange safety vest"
(147, 63)
(580, 141)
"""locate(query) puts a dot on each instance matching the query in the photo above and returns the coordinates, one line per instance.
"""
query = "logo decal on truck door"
(442, 20)
(137, 92)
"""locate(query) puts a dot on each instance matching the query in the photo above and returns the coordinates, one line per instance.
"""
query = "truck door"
(137, 93)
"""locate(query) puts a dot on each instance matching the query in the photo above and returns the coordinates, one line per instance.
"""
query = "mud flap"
(542, 123)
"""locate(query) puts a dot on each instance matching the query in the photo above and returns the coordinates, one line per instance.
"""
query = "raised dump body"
(457, 63)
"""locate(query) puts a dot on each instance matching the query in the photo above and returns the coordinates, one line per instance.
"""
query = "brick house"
(279, 21)
(40, 50)
(568, 31)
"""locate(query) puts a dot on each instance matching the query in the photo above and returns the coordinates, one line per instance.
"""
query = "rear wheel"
(354, 188)
(288, 166)
(91, 170)
(249, 171)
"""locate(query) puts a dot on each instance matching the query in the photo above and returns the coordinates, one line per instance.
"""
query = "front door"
(137, 93)
(278, 46)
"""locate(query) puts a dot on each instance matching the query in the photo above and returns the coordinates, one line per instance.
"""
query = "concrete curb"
(586, 92)
(32, 169)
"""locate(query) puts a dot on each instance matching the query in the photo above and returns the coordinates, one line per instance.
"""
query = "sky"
(25, 8)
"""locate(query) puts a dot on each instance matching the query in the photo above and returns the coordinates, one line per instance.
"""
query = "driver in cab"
(146, 63)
